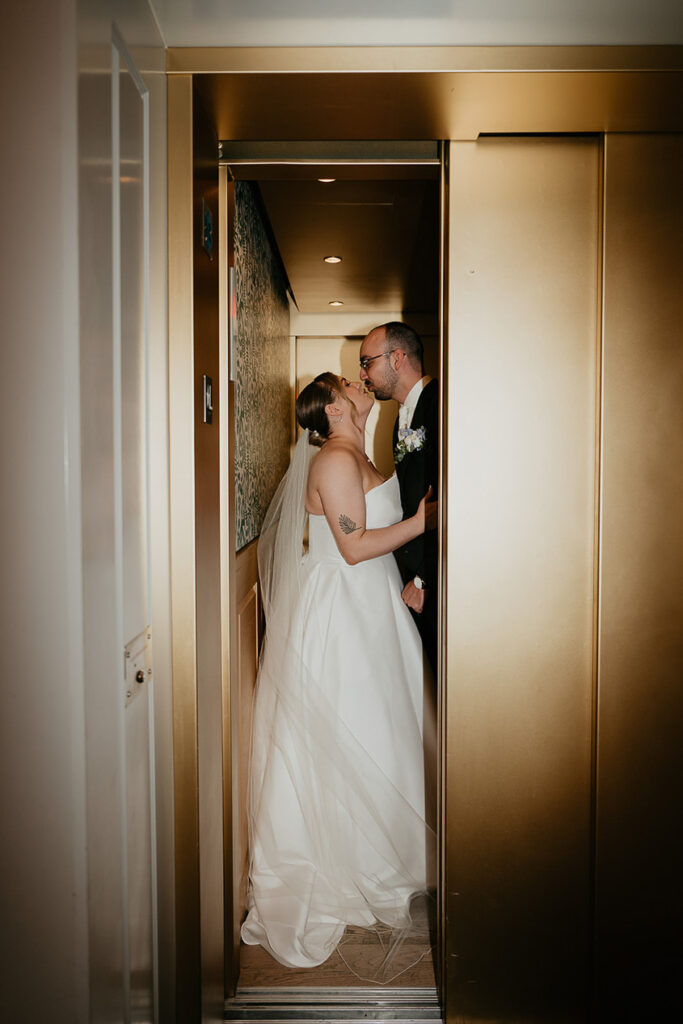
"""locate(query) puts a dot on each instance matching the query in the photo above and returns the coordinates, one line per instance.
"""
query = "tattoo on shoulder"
(347, 524)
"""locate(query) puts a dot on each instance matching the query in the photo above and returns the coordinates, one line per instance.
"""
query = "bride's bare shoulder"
(333, 462)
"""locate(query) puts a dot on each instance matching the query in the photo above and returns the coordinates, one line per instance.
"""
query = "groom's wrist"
(419, 583)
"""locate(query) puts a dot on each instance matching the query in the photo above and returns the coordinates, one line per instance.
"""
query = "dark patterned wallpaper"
(262, 388)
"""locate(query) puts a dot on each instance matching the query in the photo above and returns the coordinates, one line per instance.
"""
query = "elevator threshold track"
(348, 1005)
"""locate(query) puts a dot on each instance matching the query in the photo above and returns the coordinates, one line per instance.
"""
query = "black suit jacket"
(415, 472)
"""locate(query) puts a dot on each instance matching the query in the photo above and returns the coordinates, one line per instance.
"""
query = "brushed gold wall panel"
(440, 104)
(207, 438)
(196, 567)
(182, 467)
(228, 574)
(522, 366)
(640, 712)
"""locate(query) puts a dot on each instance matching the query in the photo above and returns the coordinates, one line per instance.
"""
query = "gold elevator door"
(563, 603)
(522, 429)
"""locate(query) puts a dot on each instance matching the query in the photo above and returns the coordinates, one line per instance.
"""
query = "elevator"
(561, 364)
(379, 206)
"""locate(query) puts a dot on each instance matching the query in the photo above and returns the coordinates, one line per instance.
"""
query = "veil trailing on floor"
(335, 844)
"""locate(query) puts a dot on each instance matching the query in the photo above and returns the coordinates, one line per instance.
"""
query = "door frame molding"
(435, 92)
(454, 93)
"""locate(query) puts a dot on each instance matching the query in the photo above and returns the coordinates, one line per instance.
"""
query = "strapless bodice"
(382, 508)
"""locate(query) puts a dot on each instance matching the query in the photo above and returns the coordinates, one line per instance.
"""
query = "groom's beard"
(381, 391)
(384, 388)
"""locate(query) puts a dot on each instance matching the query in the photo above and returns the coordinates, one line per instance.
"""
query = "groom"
(391, 367)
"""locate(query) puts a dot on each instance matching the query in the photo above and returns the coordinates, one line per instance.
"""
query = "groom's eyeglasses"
(366, 360)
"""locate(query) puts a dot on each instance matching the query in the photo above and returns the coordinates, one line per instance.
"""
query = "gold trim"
(442, 699)
(597, 556)
(227, 487)
(402, 59)
(183, 569)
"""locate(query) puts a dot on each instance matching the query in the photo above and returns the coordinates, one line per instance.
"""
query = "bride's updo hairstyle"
(310, 406)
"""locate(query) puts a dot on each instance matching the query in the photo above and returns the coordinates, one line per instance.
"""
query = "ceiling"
(427, 23)
(262, 83)
(381, 219)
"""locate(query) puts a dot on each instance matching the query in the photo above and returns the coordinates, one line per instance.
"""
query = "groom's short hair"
(400, 335)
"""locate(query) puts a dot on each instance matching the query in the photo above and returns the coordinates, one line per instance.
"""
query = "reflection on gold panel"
(521, 419)
(640, 711)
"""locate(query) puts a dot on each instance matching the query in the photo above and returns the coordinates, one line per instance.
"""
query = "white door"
(114, 207)
(130, 143)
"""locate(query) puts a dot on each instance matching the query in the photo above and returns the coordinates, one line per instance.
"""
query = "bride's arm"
(340, 487)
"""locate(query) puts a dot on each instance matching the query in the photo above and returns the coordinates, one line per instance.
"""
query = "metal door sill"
(309, 1005)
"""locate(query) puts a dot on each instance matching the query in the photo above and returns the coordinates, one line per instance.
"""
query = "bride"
(337, 795)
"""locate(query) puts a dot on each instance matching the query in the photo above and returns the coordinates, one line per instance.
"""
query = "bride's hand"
(428, 512)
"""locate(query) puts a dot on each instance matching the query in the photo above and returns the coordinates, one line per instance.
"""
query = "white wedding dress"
(337, 792)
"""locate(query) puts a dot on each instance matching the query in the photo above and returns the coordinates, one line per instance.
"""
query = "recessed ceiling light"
(326, 181)
(333, 259)
(335, 302)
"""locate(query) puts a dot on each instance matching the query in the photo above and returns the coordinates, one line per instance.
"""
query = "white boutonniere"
(409, 441)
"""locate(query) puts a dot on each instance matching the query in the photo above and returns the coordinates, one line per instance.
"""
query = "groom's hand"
(431, 514)
(430, 510)
(414, 598)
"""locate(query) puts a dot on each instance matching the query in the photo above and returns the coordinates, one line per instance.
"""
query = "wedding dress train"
(337, 795)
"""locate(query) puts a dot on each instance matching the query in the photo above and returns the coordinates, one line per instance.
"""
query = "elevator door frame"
(418, 999)
(506, 90)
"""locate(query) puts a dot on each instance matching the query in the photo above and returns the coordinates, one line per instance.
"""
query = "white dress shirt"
(406, 411)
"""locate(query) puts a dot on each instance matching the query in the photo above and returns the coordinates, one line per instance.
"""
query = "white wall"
(419, 22)
(112, 763)
(56, 727)
(42, 742)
